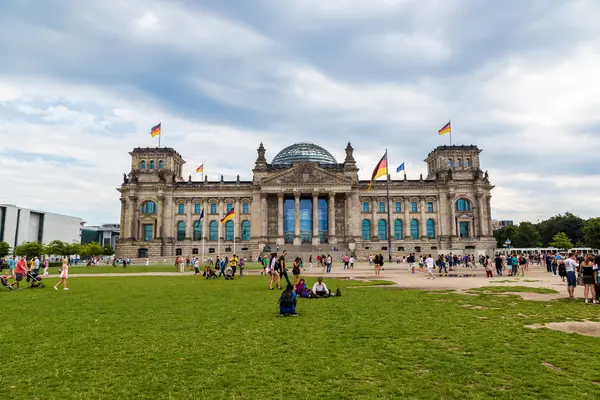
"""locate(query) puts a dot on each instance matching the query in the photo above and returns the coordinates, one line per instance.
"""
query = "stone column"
(237, 228)
(488, 216)
(123, 229)
(481, 231)
(159, 233)
(220, 215)
(442, 219)
(280, 239)
(423, 221)
(406, 223)
(452, 216)
(263, 215)
(189, 221)
(205, 222)
(297, 240)
(133, 217)
(374, 233)
(331, 210)
(315, 219)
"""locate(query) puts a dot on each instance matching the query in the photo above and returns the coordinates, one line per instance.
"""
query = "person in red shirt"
(21, 270)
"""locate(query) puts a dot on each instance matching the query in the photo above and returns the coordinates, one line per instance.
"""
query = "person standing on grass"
(282, 267)
(242, 266)
(46, 265)
(590, 277)
(570, 266)
(233, 263)
(20, 271)
(273, 271)
(430, 264)
(196, 266)
(296, 270)
(64, 275)
(12, 264)
(488, 267)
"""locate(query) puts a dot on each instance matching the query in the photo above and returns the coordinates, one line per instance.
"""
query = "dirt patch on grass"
(552, 366)
(537, 296)
(586, 328)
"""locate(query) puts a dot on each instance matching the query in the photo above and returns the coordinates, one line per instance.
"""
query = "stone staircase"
(305, 250)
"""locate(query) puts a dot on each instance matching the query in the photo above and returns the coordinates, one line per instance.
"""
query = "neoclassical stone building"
(305, 201)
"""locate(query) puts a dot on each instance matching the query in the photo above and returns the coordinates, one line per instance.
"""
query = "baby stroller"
(36, 281)
(229, 273)
(4, 282)
(209, 273)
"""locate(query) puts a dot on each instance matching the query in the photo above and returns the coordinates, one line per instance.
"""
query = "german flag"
(228, 216)
(445, 129)
(380, 170)
(200, 169)
(155, 131)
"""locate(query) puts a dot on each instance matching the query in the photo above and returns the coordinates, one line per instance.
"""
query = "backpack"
(338, 293)
(381, 261)
(287, 299)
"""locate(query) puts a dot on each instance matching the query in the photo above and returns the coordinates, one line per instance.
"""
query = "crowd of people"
(32, 271)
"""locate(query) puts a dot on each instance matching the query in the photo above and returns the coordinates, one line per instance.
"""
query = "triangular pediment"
(305, 175)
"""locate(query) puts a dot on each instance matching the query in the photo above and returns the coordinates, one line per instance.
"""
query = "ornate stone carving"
(272, 222)
(340, 218)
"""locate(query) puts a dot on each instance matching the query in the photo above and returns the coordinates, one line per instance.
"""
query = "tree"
(57, 248)
(4, 249)
(561, 241)
(74, 249)
(571, 224)
(591, 232)
(30, 249)
(92, 250)
(528, 236)
(108, 250)
(510, 232)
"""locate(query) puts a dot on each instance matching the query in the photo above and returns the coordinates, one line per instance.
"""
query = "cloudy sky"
(82, 82)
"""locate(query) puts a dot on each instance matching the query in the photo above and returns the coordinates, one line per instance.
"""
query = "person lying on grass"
(320, 289)
(287, 302)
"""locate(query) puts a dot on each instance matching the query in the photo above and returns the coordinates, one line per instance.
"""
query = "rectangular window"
(197, 208)
(430, 206)
(245, 208)
(366, 206)
(398, 207)
(181, 209)
(229, 207)
(413, 206)
(147, 232)
(213, 208)
(464, 229)
(381, 206)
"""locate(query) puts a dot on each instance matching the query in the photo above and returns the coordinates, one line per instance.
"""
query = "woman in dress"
(296, 270)
(589, 278)
(64, 275)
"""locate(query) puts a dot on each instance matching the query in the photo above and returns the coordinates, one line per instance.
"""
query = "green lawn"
(189, 338)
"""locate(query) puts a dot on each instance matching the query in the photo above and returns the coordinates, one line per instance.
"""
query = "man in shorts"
(20, 271)
(429, 263)
(411, 263)
(570, 266)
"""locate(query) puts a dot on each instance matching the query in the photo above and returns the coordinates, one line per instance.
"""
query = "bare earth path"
(460, 279)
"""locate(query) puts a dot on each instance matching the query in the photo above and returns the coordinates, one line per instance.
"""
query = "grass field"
(189, 338)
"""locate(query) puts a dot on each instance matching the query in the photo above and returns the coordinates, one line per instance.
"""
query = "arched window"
(149, 207)
(462, 205)
(458, 163)
(431, 229)
(197, 230)
(161, 164)
(398, 231)
(180, 231)
(467, 162)
(414, 229)
(246, 229)
(229, 230)
(143, 165)
(152, 164)
(449, 162)
(382, 230)
(214, 230)
(366, 229)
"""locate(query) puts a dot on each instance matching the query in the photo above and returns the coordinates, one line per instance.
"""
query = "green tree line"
(561, 231)
(56, 248)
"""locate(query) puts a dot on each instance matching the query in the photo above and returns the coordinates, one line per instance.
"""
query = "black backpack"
(287, 299)
(338, 292)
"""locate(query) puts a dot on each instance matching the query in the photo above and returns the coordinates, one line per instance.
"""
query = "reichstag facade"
(305, 201)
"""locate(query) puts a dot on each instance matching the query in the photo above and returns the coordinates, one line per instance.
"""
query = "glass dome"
(303, 152)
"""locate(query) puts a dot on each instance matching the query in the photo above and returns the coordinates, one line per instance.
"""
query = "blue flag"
(400, 168)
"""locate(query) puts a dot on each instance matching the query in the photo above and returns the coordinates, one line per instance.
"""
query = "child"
(64, 274)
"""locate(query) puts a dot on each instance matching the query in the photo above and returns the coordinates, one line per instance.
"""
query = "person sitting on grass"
(320, 289)
(287, 302)
(301, 289)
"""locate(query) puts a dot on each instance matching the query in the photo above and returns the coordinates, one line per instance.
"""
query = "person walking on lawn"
(20, 271)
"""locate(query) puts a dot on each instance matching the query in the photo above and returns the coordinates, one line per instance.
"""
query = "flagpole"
(202, 226)
(389, 228)
(233, 220)
(159, 135)
(219, 243)
(450, 122)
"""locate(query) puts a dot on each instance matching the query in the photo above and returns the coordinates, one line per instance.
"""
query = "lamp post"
(507, 244)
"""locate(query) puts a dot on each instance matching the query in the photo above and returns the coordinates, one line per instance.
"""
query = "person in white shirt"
(570, 266)
(430, 264)
(352, 262)
(320, 289)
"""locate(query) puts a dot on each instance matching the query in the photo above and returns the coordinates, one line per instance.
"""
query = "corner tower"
(160, 164)
(456, 162)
